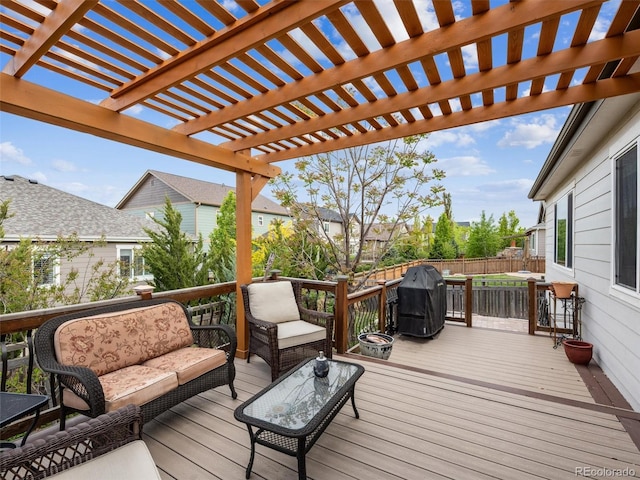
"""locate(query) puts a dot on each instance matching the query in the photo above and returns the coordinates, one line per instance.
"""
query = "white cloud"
(506, 188)
(39, 176)
(64, 166)
(470, 57)
(443, 137)
(540, 130)
(464, 166)
(134, 110)
(10, 153)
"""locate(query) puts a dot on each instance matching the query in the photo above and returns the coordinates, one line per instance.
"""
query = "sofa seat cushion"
(273, 302)
(131, 461)
(110, 341)
(299, 332)
(137, 384)
(189, 362)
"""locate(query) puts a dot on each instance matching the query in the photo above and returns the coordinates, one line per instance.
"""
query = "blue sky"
(490, 166)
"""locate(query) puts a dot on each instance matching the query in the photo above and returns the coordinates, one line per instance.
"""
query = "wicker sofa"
(147, 353)
(108, 447)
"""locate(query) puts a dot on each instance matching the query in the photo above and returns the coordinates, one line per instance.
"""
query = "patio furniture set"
(150, 354)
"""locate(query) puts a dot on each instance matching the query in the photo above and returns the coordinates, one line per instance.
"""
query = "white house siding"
(610, 319)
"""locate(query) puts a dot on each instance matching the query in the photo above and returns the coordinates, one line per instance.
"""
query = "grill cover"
(422, 302)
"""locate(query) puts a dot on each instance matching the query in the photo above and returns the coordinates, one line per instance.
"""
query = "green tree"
(221, 259)
(360, 184)
(509, 228)
(172, 257)
(484, 238)
(444, 245)
(290, 248)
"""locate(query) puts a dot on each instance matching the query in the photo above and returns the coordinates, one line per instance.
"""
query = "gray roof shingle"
(205, 193)
(45, 212)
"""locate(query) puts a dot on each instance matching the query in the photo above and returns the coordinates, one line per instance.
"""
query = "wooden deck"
(470, 404)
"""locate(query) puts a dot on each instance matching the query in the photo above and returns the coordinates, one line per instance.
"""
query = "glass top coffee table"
(291, 413)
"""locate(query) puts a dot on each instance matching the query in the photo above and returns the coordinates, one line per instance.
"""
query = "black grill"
(422, 302)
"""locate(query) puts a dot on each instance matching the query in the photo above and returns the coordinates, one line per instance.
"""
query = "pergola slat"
(281, 76)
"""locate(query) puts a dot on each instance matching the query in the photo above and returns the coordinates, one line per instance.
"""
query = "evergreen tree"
(444, 246)
(484, 238)
(172, 257)
(221, 259)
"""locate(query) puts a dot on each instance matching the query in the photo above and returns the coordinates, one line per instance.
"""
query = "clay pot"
(577, 351)
(562, 289)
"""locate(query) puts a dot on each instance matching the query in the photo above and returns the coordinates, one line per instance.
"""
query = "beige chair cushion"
(136, 384)
(299, 332)
(189, 362)
(273, 302)
(131, 461)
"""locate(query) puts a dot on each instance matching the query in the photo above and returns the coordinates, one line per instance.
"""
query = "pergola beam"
(250, 32)
(579, 94)
(551, 64)
(470, 30)
(38, 103)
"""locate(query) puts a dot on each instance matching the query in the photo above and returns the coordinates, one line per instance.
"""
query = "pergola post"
(243, 255)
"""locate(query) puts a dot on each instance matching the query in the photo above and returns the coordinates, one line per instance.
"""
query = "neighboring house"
(536, 236)
(328, 221)
(379, 235)
(589, 186)
(44, 213)
(197, 201)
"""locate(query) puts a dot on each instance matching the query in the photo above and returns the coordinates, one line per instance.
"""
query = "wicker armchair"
(281, 330)
(114, 437)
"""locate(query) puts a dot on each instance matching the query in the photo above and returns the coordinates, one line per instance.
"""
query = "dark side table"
(14, 406)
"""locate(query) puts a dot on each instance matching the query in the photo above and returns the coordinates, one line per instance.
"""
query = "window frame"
(132, 267)
(54, 266)
(568, 197)
(260, 221)
(628, 290)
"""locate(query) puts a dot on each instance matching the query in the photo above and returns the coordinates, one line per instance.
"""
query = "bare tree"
(373, 189)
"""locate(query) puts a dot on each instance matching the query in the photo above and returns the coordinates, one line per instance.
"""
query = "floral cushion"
(108, 342)
(189, 362)
(136, 384)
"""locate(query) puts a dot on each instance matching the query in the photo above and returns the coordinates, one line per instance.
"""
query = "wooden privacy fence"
(463, 266)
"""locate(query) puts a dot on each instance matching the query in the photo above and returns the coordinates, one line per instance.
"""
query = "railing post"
(533, 305)
(382, 307)
(342, 314)
(274, 274)
(468, 300)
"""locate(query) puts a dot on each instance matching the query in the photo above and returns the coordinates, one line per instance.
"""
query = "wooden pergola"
(251, 83)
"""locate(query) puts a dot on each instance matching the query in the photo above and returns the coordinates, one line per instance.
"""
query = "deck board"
(423, 414)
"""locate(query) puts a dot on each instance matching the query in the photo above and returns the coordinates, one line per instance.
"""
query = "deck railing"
(371, 309)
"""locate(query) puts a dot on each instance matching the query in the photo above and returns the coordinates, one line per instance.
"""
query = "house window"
(131, 263)
(563, 235)
(626, 218)
(325, 225)
(45, 269)
(260, 220)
